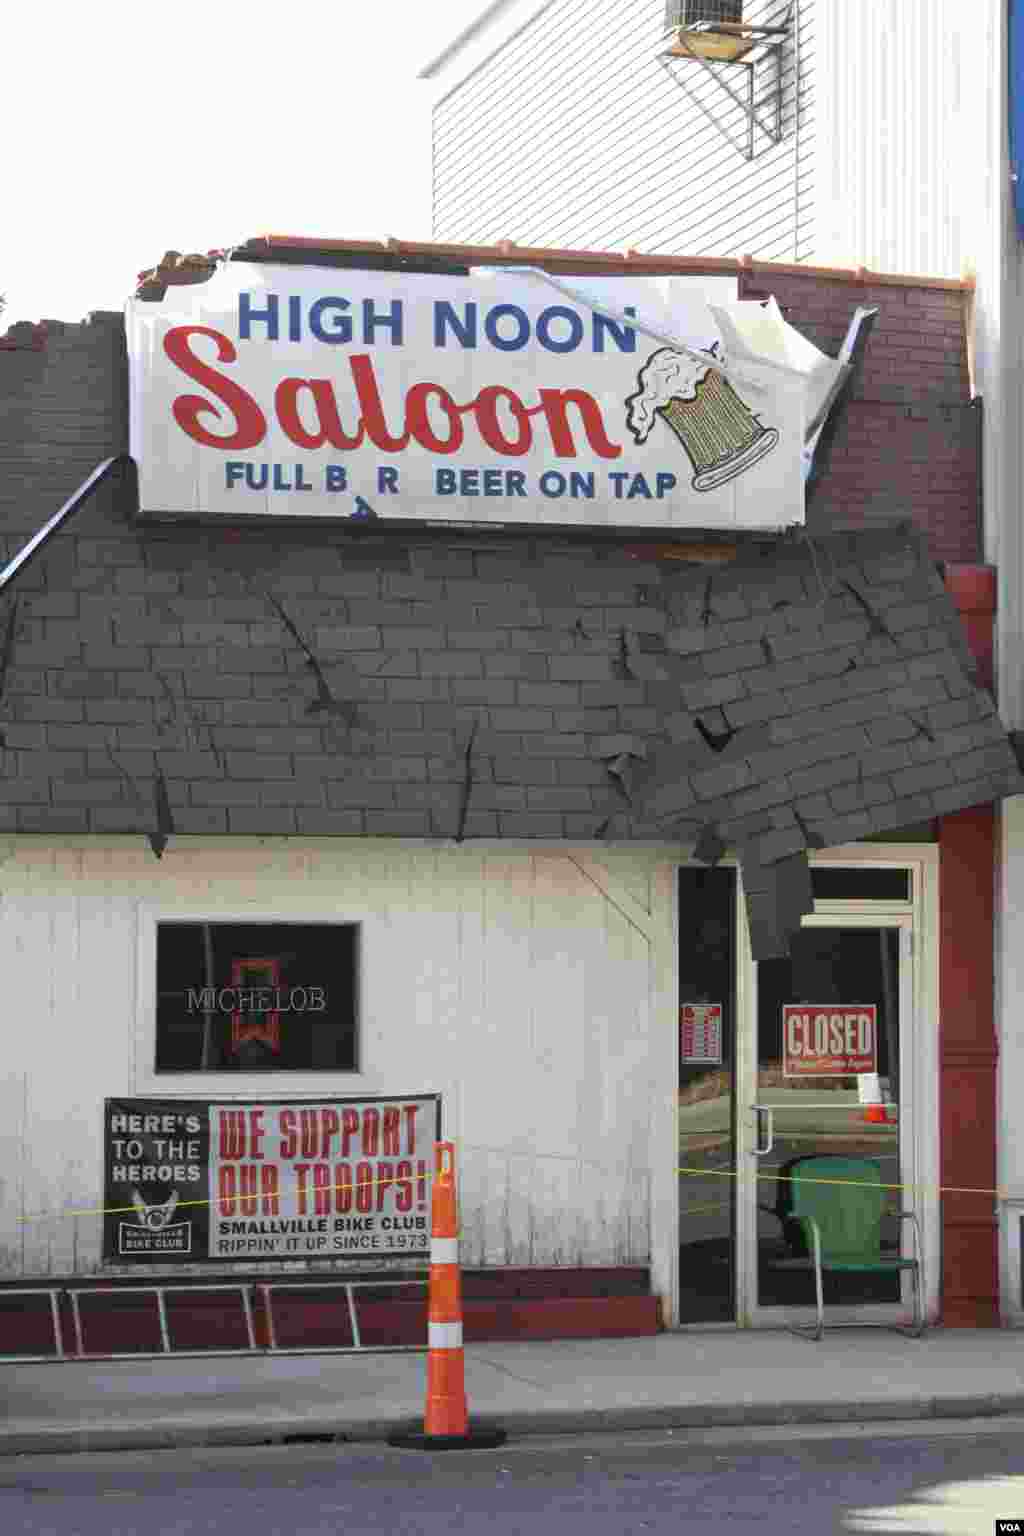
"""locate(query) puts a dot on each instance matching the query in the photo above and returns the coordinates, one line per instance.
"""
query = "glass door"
(820, 1078)
(706, 1095)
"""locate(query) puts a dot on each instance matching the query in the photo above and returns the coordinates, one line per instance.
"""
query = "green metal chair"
(832, 1218)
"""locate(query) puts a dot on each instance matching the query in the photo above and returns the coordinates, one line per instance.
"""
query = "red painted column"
(967, 1069)
(968, 1047)
(973, 590)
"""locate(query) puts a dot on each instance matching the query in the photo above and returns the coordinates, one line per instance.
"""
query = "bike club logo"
(153, 1230)
(720, 434)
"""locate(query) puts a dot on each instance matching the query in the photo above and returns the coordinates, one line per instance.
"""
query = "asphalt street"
(955, 1479)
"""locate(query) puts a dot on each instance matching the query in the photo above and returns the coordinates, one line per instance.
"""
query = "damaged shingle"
(710, 847)
(164, 819)
(622, 769)
(621, 668)
(876, 624)
(707, 612)
(325, 702)
(825, 705)
(716, 740)
(811, 839)
(6, 652)
(467, 783)
(771, 716)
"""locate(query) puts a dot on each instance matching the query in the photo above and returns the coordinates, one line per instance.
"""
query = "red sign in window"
(257, 983)
(829, 1040)
(700, 1032)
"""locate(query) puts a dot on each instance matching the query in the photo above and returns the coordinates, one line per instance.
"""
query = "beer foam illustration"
(667, 375)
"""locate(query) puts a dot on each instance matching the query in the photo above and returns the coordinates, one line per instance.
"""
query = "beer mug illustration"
(721, 435)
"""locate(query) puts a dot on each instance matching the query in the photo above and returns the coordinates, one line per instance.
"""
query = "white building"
(562, 125)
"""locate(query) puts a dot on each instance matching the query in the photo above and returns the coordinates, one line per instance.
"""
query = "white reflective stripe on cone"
(444, 1250)
(444, 1335)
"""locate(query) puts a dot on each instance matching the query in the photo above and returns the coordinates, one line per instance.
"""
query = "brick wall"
(909, 444)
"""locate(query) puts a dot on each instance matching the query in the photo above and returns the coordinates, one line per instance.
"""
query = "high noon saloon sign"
(504, 398)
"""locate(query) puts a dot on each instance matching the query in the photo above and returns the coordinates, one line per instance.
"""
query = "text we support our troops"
(319, 1160)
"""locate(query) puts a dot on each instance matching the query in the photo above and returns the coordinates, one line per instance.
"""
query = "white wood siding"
(905, 166)
(521, 985)
(572, 134)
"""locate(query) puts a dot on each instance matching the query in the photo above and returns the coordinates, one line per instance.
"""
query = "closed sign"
(829, 1041)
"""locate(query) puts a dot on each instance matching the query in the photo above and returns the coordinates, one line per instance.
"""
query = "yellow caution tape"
(943, 1189)
(131, 1210)
(699, 1173)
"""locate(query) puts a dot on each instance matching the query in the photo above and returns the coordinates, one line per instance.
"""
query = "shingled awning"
(814, 692)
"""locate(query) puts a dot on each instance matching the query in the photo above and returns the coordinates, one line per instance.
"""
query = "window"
(250, 997)
(861, 882)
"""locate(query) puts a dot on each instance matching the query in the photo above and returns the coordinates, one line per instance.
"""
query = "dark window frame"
(247, 1033)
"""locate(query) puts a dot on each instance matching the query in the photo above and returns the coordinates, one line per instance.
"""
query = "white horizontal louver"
(575, 135)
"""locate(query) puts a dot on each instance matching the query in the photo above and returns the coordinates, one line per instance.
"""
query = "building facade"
(476, 783)
(900, 114)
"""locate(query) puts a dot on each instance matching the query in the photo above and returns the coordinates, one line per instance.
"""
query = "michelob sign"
(496, 397)
(829, 1040)
(243, 1181)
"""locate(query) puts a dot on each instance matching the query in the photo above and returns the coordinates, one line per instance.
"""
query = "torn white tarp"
(757, 330)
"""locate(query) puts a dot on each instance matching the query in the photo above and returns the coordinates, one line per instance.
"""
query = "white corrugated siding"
(573, 135)
(509, 982)
(904, 87)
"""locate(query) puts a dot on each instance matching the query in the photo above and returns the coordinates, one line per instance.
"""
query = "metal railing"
(160, 1292)
(247, 1291)
(348, 1286)
(40, 539)
(54, 1293)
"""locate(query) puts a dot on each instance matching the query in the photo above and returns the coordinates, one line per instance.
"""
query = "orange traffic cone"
(445, 1420)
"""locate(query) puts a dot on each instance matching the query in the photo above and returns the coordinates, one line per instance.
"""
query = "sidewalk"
(672, 1381)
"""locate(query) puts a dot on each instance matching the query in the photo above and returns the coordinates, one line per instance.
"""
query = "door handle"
(760, 1111)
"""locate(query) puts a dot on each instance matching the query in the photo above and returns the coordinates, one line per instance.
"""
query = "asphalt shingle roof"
(815, 692)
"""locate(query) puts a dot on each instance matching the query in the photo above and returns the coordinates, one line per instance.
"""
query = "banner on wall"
(190, 1181)
(494, 397)
(829, 1041)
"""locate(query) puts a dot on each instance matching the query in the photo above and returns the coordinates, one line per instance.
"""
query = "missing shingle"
(716, 740)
